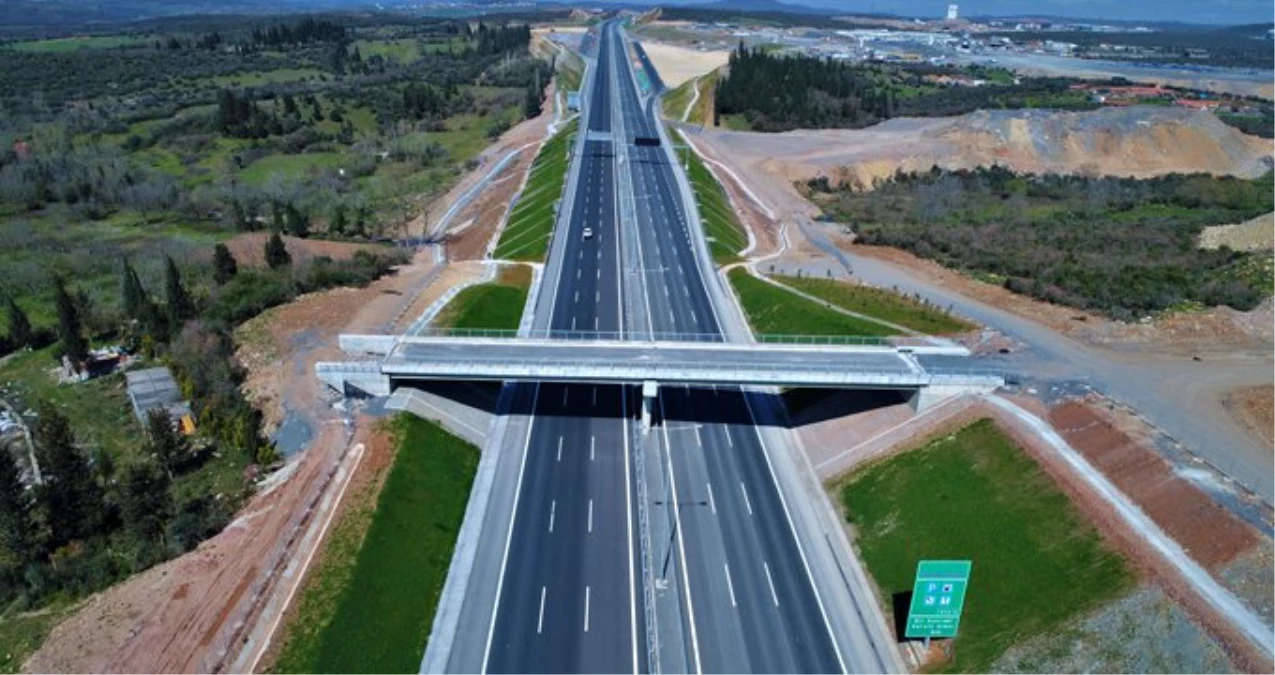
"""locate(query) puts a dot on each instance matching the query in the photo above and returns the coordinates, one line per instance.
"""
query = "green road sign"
(937, 598)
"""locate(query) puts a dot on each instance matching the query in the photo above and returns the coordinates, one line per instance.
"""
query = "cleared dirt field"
(1254, 407)
(1250, 235)
(678, 64)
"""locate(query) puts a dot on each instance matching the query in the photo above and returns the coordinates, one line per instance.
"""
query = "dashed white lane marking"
(773, 595)
(586, 609)
(592, 444)
(559, 448)
(540, 622)
(553, 511)
(730, 587)
(747, 504)
(712, 503)
(590, 515)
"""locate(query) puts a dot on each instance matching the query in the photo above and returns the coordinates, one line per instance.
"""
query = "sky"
(1229, 12)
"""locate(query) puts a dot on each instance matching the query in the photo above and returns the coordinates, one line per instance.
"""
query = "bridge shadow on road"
(678, 403)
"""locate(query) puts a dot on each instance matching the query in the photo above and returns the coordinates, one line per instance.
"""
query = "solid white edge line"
(823, 612)
(504, 560)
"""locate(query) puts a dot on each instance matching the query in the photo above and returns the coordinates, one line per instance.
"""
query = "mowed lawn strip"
(726, 237)
(526, 236)
(495, 305)
(880, 304)
(974, 495)
(775, 311)
(382, 620)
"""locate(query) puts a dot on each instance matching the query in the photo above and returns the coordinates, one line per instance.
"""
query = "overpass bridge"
(383, 361)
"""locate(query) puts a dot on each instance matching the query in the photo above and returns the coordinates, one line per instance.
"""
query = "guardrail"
(643, 336)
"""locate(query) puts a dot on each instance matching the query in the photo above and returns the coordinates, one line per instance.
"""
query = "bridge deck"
(851, 366)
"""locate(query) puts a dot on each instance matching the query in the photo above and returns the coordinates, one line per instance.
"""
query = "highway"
(567, 595)
(752, 603)
(596, 547)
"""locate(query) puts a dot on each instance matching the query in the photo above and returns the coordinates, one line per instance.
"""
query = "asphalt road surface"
(752, 603)
(567, 600)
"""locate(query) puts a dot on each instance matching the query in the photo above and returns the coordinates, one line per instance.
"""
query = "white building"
(952, 12)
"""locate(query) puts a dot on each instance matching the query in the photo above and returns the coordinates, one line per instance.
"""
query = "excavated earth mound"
(1136, 141)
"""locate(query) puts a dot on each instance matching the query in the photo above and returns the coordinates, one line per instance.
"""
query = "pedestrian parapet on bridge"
(380, 363)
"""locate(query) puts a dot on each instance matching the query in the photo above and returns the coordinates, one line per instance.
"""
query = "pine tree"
(70, 328)
(20, 332)
(224, 266)
(276, 253)
(72, 501)
(146, 503)
(17, 530)
(166, 444)
(180, 306)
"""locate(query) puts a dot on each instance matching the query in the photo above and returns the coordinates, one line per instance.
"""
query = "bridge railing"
(641, 336)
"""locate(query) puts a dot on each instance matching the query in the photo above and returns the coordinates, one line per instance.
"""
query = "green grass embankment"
(495, 305)
(974, 495)
(526, 236)
(370, 606)
(880, 304)
(775, 311)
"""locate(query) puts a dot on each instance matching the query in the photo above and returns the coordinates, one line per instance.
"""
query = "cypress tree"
(132, 294)
(72, 501)
(224, 266)
(70, 328)
(180, 306)
(20, 332)
(146, 503)
(276, 253)
(166, 444)
(17, 531)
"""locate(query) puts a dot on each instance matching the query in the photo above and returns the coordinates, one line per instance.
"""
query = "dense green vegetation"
(127, 163)
(879, 303)
(526, 235)
(771, 310)
(1122, 246)
(1260, 124)
(119, 496)
(378, 617)
(975, 496)
(783, 92)
(495, 305)
(194, 129)
(725, 234)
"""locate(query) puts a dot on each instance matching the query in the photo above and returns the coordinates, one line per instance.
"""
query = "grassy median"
(975, 496)
(526, 236)
(369, 605)
(495, 305)
(774, 311)
(880, 304)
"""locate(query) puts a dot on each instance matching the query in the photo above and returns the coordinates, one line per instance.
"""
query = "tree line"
(784, 92)
(1125, 247)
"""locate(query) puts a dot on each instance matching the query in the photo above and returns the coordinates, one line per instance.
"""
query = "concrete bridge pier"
(650, 391)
